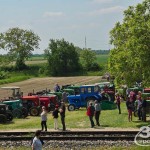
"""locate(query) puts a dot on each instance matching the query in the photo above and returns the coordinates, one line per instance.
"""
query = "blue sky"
(72, 20)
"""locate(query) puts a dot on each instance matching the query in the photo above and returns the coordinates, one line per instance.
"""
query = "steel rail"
(65, 138)
(67, 132)
(70, 135)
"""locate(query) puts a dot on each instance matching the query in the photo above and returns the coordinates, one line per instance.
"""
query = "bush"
(3, 75)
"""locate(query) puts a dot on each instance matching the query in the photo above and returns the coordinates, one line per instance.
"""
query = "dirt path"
(38, 84)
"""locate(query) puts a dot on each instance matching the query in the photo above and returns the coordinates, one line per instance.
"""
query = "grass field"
(78, 119)
(102, 59)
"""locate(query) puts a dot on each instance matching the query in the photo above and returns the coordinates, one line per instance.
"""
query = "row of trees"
(62, 57)
(130, 58)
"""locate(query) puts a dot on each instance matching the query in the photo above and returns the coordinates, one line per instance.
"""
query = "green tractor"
(5, 114)
(16, 108)
(71, 89)
(14, 102)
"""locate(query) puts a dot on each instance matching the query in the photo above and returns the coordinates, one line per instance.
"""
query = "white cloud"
(101, 1)
(109, 10)
(53, 14)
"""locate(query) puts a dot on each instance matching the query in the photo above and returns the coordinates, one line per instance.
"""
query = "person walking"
(44, 118)
(37, 143)
(97, 112)
(118, 101)
(90, 113)
(55, 116)
(62, 115)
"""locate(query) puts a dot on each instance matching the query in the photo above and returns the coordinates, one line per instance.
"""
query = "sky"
(85, 23)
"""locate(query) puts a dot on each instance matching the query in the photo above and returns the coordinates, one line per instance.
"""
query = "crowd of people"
(135, 103)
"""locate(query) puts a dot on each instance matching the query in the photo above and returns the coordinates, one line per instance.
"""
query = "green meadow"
(78, 119)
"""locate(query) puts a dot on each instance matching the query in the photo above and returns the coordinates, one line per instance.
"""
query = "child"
(55, 116)
(44, 118)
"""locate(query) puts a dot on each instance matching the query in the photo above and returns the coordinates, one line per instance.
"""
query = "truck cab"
(87, 94)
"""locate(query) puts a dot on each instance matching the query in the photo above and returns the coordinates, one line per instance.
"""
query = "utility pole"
(85, 42)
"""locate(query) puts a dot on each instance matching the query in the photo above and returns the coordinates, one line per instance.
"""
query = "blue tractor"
(87, 94)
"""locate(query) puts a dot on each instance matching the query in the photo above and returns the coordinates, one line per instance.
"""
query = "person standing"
(129, 105)
(64, 97)
(118, 101)
(139, 106)
(56, 88)
(55, 116)
(44, 118)
(37, 143)
(97, 112)
(62, 114)
(90, 113)
(144, 104)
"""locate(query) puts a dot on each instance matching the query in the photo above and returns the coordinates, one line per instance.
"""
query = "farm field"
(38, 84)
(101, 59)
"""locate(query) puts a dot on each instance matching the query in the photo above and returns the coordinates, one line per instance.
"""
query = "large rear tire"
(24, 112)
(3, 118)
(17, 113)
(34, 111)
(9, 116)
(71, 107)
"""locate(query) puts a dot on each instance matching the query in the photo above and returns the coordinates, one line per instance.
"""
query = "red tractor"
(34, 103)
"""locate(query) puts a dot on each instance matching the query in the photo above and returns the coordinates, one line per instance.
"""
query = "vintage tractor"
(107, 87)
(35, 102)
(49, 101)
(32, 104)
(16, 107)
(71, 89)
(88, 93)
(14, 103)
(14, 92)
(5, 114)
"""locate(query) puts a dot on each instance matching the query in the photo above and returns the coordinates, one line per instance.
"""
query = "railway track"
(70, 135)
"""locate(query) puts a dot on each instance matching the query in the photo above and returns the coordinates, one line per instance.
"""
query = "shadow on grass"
(11, 122)
(140, 123)
(101, 126)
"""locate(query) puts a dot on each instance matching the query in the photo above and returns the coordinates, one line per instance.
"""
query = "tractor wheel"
(24, 112)
(3, 118)
(9, 116)
(34, 111)
(17, 113)
(71, 107)
(135, 113)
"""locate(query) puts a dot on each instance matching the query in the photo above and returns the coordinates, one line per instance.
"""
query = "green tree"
(88, 58)
(129, 59)
(62, 58)
(19, 43)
